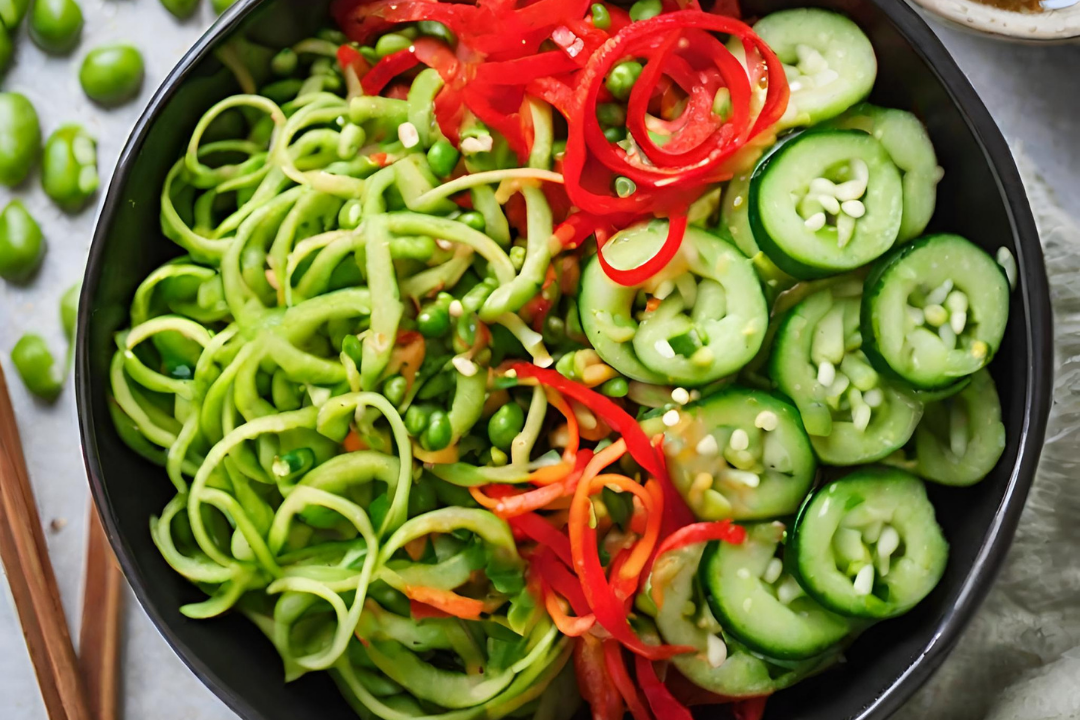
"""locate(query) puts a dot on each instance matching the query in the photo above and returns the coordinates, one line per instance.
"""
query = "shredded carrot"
(416, 547)
(446, 601)
(353, 443)
(445, 456)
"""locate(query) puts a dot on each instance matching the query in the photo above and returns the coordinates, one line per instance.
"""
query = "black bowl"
(981, 197)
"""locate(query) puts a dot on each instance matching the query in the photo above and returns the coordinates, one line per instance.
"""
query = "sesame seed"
(456, 309)
(444, 244)
(716, 651)
(671, 418)
(664, 349)
(680, 395)
(864, 580)
(471, 145)
(773, 571)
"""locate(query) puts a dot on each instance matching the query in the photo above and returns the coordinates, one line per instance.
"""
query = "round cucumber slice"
(908, 143)
(684, 618)
(738, 454)
(935, 311)
(706, 318)
(829, 61)
(852, 414)
(735, 219)
(869, 545)
(826, 202)
(757, 602)
(961, 438)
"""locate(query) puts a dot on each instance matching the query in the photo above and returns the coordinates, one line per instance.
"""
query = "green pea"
(395, 388)
(329, 35)
(69, 310)
(180, 8)
(221, 6)
(433, 321)
(36, 367)
(474, 220)
(21, 243)
(409, 31)
(350, 141)
(438, 433)
(611, 114)
(505, 425)
(55, 25)
(615, 134)
(645, 9)
(12, 12)
(285, 62)
(442, 158)
(369, 54)
(20, 138)
(417, 418)
(620, 81)
(435, 29)
(391, 43)
(565, 366)
(112, 74)
(601, 18)
(625, 187)
(69, 167)
(615, 387)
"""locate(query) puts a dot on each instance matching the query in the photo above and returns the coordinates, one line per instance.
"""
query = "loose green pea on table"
(112, 74)
(69, 168)
(55, 25)
(21, 243)
(20, 138)
(37, 367)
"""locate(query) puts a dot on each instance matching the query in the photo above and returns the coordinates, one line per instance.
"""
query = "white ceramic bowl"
(1051, 25)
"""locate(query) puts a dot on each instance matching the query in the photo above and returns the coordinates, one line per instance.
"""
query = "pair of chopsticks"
(71, 690)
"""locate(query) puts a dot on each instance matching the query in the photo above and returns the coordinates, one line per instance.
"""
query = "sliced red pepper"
(540, 530)
(350, 57)
(616, 668)
(633, 277)
(724, 530)
(596, 687)
(387, 69)
(664, 705)
(752, 709)
(423, 611)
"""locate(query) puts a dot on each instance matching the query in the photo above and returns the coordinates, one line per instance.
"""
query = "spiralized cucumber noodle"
(350, 375)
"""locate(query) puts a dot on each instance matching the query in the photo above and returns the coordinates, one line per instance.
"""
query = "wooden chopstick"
(33, 583)
(99, 632)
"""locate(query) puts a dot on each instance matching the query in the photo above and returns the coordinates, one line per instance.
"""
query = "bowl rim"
(1049, 26)
(1035, 303)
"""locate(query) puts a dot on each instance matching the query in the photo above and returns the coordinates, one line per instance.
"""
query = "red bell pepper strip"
(752, 709)
(387, 69)
(724, 530)
(595, 685)
(350, 57)
(633, 277)
(663, 703)
(616, 669)
(423, 611)
(540, 530)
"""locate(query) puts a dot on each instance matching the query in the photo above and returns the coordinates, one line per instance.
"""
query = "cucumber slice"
(852, 414)
(826, 202)
(746, 588)
(709, 321)
(739, 454)
(869, 545)
(912, 296)
(909, 146)
(735, 219)
(829, 62)
(961, 438)
(684, 618)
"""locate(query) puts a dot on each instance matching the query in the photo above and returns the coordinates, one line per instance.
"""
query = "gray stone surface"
(1031, 91)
